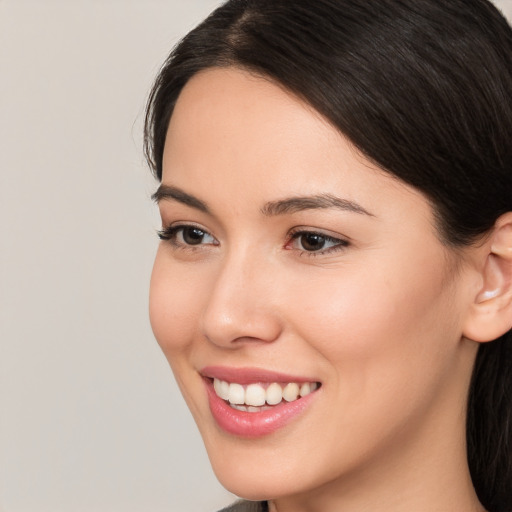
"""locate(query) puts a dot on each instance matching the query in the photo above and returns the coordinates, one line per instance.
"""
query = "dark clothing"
(247, 506)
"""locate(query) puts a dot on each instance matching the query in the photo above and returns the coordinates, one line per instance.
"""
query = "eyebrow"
(321, 201)
(166, 192)
(272, 208)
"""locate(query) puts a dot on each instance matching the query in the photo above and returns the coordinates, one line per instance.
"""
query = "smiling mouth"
(259, 397)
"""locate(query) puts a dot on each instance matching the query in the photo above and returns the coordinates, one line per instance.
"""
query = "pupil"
(193, 236)
(313, 242)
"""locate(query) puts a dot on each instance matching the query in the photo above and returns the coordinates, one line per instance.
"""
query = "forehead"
(230, 123)
(240, 136)
(233, 108)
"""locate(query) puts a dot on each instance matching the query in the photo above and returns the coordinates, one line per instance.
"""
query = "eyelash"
(170, 233)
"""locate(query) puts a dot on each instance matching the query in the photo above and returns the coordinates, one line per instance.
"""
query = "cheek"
(378, 326)
(173, 304)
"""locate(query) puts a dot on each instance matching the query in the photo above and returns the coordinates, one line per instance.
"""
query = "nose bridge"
(239, 307)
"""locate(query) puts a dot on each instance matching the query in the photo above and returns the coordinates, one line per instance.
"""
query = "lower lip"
(254, 424)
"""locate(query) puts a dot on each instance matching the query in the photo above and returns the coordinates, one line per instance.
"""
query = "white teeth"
(254, 397)
(291, 392)
(236, 394)
(305, 389)
(221, 388)
(274, 394)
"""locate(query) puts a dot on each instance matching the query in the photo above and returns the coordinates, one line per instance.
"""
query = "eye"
(313, 242)
(187, 236)
(193, 236)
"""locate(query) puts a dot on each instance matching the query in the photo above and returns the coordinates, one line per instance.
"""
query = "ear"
(490, 315)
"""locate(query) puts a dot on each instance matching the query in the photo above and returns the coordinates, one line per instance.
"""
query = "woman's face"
(292, 264)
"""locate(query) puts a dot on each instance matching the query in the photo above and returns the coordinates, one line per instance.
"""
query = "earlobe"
(490, 315)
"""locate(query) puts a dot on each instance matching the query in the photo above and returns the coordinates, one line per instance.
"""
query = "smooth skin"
(361, 296)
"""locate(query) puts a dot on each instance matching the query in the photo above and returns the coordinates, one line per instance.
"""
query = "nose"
(241, 308)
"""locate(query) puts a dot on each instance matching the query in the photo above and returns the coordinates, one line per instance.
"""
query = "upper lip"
(250, 375)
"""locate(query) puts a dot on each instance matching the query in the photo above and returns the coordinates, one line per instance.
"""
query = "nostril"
(237, 332)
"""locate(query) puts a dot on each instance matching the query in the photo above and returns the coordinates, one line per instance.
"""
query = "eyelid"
(168, 226)
(304, 230)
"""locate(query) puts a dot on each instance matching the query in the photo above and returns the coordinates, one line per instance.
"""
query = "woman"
(333, 290)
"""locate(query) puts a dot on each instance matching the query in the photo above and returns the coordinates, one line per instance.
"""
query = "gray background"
(90, 418)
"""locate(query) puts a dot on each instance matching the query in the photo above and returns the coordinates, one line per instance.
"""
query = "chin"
(262, 469)
(254, 484)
